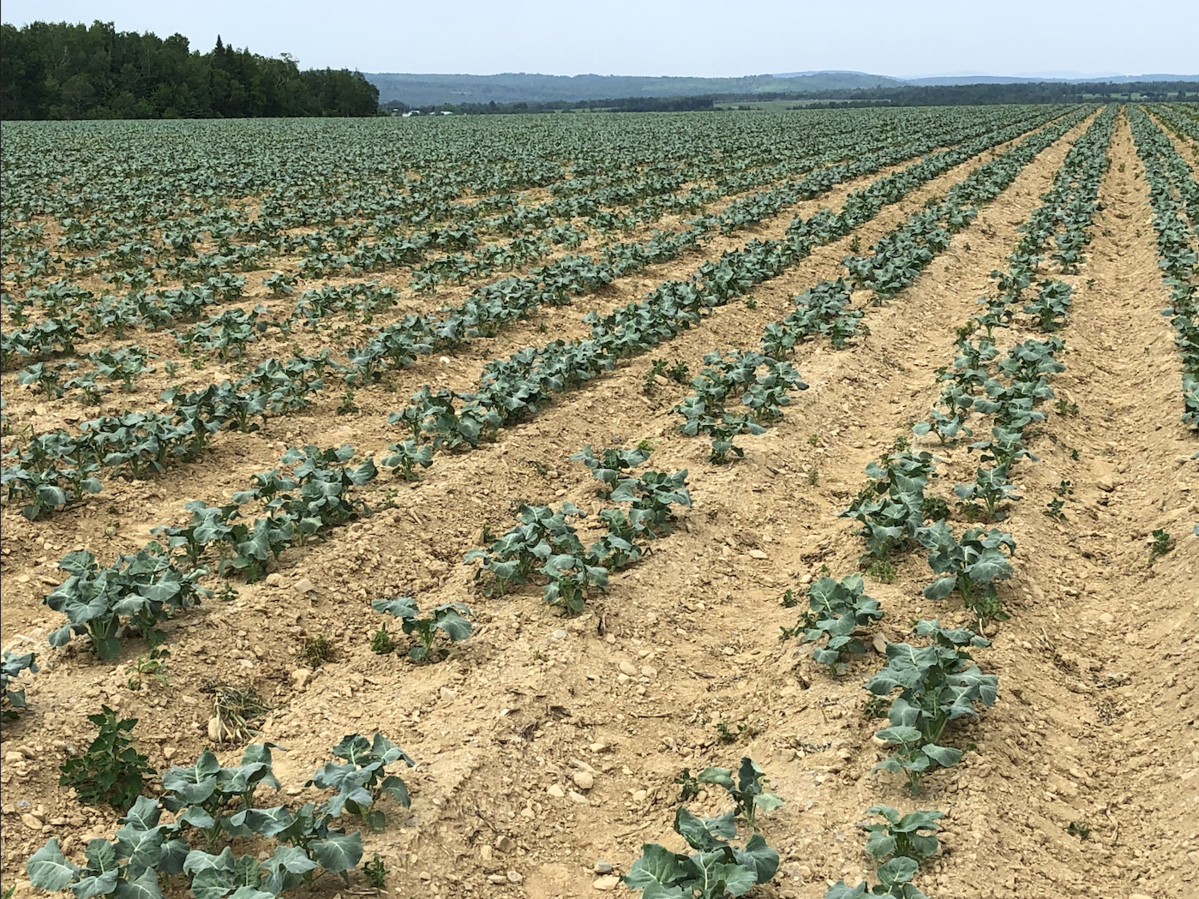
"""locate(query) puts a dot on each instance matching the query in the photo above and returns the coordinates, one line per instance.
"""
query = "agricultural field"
(795, 504)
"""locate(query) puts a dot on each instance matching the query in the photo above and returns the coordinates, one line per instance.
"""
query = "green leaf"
(944, 756)
(940, 588)
(145, 886)
(704, 834)
(339, 852)
(720, 776)
(758, 857)
(97, 885)
(657, 866)
(48, 869)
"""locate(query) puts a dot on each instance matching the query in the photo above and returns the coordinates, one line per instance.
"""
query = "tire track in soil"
(498, 722)
(233, 457)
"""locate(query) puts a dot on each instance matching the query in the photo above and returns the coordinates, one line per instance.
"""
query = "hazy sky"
(676, 37)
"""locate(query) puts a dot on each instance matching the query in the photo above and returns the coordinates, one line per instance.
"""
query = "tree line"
(65, 71)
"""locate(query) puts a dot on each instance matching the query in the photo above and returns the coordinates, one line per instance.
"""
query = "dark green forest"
(64, 71)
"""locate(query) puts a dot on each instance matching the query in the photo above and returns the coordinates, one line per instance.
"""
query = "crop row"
(1172, 190)
(74, 310)
(938, 682)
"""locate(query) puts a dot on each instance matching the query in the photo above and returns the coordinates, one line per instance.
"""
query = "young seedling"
(12, 699)
(748, 793)
(376, 872)
(912, 836)
(363, 780)
(316, 651)
(837, 611)
(406, 456)
(1162, 544)
(450, 618)
(149, 666)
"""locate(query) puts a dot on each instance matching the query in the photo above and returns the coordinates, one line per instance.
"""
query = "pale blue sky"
(676, 37)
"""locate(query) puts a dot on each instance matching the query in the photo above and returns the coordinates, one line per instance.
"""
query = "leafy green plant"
(716, 868)
(611, 465)
(970, 566)
(939, 683)
(837, 611)
(111, 771)
(141, 589)
(406, 456)
(450, 618)
(882, 571)
(12, 699)
(363, 780)
(913, 835)
(993, 487)
(1162, 544)
(894, 880)
(747, 792)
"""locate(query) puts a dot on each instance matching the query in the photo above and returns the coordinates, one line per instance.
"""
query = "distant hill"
(521, 87)
(430, 90)
(1040, 79)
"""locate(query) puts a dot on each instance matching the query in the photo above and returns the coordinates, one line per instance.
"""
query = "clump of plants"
(448, 618)
(717, 867)
(837, 613)
(111, 771)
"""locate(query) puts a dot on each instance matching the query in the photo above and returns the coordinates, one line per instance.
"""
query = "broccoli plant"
(894, 880)
(970, 566)
(13, 698)
(363, 780)
(1051, 306)
(939, 683)
(747, 792)
(837, 611)
(450, 618)
(610, 465)
(992, 487)
(716, 868)
(219, 803)
(406, 456)
(652, 496)
(571, 579)
(542, 532)
(913, 835)
(142, 589)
